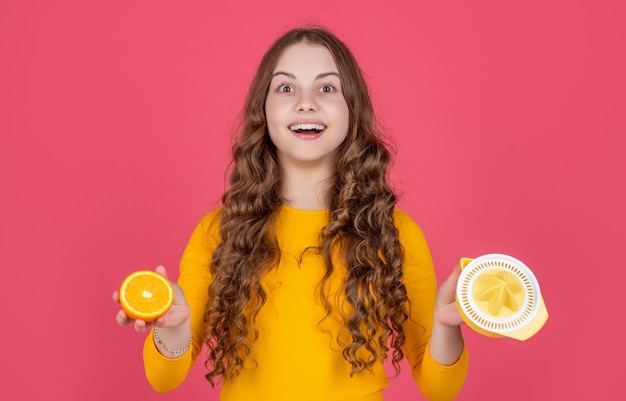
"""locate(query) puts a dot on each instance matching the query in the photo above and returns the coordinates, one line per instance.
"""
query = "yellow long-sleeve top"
(297, 357)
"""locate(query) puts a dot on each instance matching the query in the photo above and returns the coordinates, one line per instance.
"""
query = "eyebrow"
(319, 76)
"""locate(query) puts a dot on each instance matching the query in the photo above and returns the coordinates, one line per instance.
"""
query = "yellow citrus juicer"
(499, 296)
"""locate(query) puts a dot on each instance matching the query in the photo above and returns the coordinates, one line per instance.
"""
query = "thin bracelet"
(175, 352)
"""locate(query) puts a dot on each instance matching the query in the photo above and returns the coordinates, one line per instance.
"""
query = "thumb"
(447, 291)
(161, 270)
(453, 278)
(456, 273)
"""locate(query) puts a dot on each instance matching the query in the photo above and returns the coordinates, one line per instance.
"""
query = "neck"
(306, 188)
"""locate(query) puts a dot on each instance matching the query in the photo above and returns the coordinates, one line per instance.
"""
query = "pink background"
(116, 120)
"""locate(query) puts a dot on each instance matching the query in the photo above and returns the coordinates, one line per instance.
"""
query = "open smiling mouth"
(307, 130)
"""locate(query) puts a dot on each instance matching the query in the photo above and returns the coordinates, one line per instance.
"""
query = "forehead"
(304, 58)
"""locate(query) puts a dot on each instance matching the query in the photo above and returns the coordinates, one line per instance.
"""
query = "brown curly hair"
(361, 228)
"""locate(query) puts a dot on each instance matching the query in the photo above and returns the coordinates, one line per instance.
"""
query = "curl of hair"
(361, 227)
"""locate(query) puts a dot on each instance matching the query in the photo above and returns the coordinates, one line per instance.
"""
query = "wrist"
(172, 342)
(446, 343)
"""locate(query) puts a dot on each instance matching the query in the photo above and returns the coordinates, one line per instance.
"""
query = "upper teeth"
(306, 127)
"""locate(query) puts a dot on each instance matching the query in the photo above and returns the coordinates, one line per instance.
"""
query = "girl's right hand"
(176, 316)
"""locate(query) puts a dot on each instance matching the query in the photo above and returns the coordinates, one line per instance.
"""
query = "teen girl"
(308, 277)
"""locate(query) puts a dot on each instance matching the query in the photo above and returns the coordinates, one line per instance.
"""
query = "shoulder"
(408, 229)
(413, 240)
(211, 220)
(208, 228)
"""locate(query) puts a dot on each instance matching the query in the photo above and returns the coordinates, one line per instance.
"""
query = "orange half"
(146, 295)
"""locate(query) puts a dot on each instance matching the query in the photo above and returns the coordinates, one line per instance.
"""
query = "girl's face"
(307, 115)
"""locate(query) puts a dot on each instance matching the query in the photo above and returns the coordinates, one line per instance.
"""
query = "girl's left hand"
(446, 311)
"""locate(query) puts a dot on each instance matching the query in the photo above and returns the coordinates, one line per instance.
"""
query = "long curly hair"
(360, 229)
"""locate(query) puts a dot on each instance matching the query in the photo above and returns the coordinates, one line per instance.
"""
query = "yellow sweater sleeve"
(436, 381)
(165, 374)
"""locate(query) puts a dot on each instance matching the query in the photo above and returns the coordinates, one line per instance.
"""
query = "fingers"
(122, 318)
(142, 326)
(448, 315)
(160, 322)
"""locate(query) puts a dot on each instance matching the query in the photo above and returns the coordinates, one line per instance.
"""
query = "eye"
(284, 88)
(327, 89)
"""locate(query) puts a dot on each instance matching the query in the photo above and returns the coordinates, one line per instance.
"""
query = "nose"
(307, 103)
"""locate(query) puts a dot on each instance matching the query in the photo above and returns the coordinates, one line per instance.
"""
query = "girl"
(308, 277)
